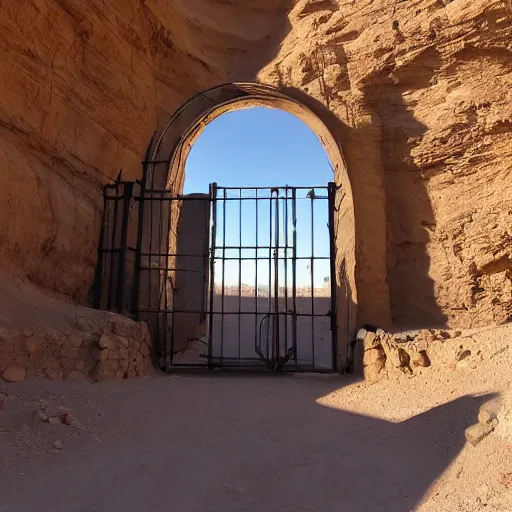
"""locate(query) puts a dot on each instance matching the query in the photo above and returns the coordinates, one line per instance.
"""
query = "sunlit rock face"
(423, 90)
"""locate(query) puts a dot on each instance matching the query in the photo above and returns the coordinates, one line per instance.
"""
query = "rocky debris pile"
(57, 416)
(89, 352)
(487, 422)
(380, 354)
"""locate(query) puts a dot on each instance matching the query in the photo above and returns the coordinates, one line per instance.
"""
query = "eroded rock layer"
(423, 89)
(427, 87)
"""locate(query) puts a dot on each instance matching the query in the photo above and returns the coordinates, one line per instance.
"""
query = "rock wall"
(100, 351)
(433, 79)
(380, 355)
(42, 336)
(423, 87)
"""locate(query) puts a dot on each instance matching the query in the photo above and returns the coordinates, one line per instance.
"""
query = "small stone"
(71, 420)
(462, 354)
(57, 445)
(361, 334)
(14, 374)
(476, 433)
(488, 412)
(56, 412)
(54, 421)
(106, 342)
(42, 415)
(420, 359)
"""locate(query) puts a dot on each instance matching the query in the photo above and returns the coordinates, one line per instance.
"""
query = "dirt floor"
(209, 442)
(236, 336)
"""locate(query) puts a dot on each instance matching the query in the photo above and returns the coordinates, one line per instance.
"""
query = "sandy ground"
(239, 442)
(235, 337)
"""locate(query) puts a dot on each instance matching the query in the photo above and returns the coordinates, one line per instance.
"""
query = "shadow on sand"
(244, 443)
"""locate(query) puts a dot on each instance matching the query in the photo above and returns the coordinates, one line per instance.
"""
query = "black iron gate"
(240, 278)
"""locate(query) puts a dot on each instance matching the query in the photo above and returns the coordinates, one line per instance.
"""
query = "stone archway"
(358, 281)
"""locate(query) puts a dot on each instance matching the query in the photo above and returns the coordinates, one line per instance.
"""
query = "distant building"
(327, 282)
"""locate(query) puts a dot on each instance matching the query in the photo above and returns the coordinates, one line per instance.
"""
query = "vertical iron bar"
(276, 349)
(138, 250)
(312, 279)
(331, 194)
(294, 273)
(165, 316)
(223, 275)
(159, 280)
(256, 278)
(98, 281)
(213, 207)
(170, 353)
(112, 245)
(270, 317)
(150, 265)
(121, 278)
(140, 230)
(240, 278)
(286, 272)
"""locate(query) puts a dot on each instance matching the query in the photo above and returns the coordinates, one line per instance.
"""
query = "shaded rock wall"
(423, 88)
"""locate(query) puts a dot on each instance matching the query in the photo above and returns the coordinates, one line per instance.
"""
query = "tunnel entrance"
(241, 289)
(189, 305)
(246, 280)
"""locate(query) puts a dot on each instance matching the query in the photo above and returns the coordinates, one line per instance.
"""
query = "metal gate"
(268, 307)
(240, 278)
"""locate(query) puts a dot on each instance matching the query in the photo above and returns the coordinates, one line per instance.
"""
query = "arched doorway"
(159, 207)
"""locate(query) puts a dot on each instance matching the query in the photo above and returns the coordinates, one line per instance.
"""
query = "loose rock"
(71, 420)
(42, 415)
(420, 359)
(361, 334)
(57, 412)
(374, 364)
(54, 421)
(57, 445)
(488, 412)
(476, 433)
(462, 354)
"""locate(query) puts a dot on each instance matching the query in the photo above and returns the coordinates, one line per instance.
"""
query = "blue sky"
(263, 147)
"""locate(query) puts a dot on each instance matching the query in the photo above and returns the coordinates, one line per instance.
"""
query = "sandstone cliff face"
(424, 88)
(435, 77)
